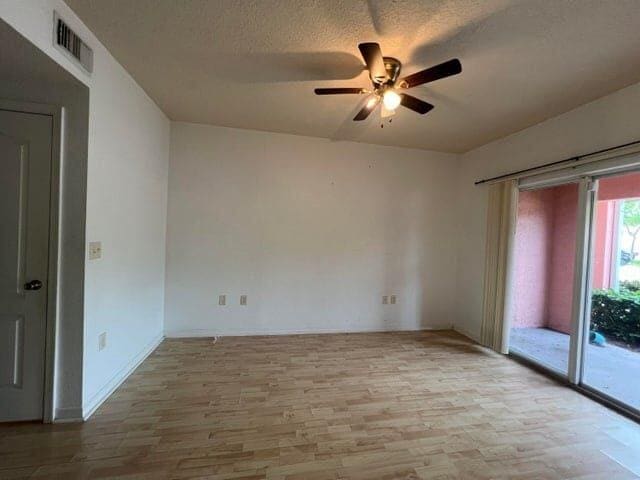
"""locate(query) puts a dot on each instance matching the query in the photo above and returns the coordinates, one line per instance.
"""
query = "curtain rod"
(558, 162)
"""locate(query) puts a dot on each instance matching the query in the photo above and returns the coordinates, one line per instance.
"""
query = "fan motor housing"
(393, 67)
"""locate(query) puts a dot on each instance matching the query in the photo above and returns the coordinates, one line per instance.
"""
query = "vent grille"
(72, 45)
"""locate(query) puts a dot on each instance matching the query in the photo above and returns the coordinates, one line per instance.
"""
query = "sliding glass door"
(543, 275)
(575, 283)
(611, 355)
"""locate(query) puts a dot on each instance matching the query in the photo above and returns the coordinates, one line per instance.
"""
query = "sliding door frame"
(581, 299)
(581, 304)
(585, 319)
(587, 177)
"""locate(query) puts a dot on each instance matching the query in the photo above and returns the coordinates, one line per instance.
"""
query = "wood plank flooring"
(423, 405)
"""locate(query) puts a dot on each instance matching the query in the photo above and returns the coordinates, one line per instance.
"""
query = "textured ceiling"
(254, 63)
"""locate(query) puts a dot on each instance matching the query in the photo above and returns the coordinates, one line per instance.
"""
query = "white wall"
(125, 208)
(126, 211)
(313, 231)
(606, 122)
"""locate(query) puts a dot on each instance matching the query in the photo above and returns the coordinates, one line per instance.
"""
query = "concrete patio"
(613, 370)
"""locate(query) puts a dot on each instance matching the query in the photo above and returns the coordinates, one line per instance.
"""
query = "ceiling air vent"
(68, 42)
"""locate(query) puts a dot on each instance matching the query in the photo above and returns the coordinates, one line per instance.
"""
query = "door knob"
(33, 285)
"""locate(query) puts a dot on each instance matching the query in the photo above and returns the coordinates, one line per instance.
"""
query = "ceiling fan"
(384, 73)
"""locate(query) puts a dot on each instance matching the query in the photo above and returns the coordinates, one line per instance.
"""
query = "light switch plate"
(95, 250)
(102, 341)
(385, 299)
(392, 299)
(222, 300)
(243, 299)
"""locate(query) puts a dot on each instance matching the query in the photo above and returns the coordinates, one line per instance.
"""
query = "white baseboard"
(248, 333)
(466, 333)
(104, 393)
(68, 415)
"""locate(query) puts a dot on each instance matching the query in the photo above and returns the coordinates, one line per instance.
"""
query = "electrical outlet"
(385, 299)
(243, 299)
(95, 250)
(102, 341)
(222, 300)
(392, 299)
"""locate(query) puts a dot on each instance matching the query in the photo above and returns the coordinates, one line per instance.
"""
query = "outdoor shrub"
(631, 285)
(617, 315)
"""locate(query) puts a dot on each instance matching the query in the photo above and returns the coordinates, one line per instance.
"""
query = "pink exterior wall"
(617, 188)
(604, 252)
(545, 249)
(563, 255)
(544, 256)
(532, 253)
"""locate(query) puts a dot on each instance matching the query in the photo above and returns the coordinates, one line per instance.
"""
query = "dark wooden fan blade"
(367, 109)
(375, 63)
(414, 104)
(338, 91)
(446, 69)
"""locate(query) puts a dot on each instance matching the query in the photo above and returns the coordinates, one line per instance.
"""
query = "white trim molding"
(249, 333)
(611, 163)
(626, 155)
(467, 333)
(68, 415)
(105, 392)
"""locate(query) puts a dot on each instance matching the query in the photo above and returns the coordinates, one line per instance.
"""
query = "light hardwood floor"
(349, 406)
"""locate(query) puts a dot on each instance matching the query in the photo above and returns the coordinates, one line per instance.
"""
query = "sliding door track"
(593, 394)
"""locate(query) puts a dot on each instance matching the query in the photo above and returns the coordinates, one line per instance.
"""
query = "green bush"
(631, 285)
(617, 314)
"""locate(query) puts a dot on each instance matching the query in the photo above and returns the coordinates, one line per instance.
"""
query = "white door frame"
(57, 115)
(581, 303)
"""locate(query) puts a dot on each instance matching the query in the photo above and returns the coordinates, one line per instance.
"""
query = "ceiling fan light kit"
(391, 99)
(387, 88)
